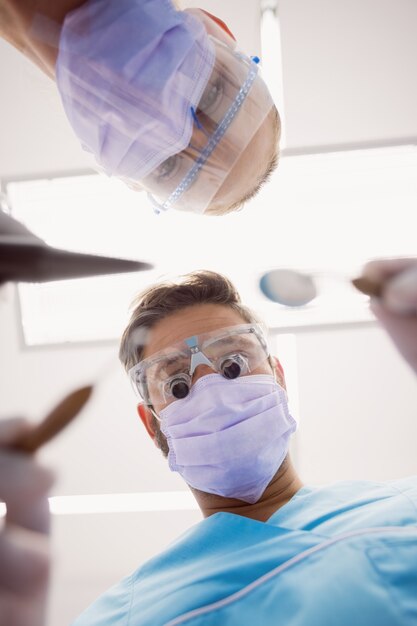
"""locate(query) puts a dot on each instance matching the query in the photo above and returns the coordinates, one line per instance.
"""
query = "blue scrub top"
(343, 555)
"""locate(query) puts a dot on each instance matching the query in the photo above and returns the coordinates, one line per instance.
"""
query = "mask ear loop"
(157, 207)
(154, 413)
(198, 123)
(195, 118)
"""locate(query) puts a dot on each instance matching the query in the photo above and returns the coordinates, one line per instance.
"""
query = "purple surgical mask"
(128, 72)
(229, 437)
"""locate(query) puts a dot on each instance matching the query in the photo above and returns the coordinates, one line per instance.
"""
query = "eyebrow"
(170, 361)
(235, 339)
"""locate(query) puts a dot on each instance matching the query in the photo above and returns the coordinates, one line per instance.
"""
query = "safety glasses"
(234, 105)
(168, 375)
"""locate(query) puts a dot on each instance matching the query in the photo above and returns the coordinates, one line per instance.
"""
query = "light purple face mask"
(128, 72)
(229, 437)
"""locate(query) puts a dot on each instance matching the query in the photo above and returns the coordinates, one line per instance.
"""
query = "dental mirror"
(293, 288)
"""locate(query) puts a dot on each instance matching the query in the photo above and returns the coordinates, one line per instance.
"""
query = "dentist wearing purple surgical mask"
(213, 399)
(163, 98)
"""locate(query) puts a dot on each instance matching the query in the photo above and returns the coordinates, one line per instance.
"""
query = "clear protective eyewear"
(167, 375)
(234, 105)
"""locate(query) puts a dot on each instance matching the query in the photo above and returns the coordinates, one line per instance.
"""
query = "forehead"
(193, 320)
(251, 166)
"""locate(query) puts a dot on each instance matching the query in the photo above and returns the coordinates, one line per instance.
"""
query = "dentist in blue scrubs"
(269, 550)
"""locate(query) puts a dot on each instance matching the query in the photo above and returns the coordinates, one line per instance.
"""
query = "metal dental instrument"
(293, 288)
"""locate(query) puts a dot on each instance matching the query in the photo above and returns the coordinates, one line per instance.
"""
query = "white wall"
(358, 407)
(348, 71)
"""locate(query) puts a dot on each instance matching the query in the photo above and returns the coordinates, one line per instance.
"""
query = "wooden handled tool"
(368, 287)
(54, 422)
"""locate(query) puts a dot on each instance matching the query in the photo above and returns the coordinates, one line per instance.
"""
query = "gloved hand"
(397, 308)
(24, 550)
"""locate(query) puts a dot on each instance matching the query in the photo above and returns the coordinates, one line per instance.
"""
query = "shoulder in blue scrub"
(345, 554)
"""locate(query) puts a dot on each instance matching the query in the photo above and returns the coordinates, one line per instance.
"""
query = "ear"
(215, 26)
(279, 372)
(146, 418)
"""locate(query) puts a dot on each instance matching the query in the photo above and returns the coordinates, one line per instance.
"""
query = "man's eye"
(233, 366)
(212, 97)
(169, 168)
(177, 387)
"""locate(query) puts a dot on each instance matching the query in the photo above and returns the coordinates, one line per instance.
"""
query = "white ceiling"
(348, 78)
(349, 71)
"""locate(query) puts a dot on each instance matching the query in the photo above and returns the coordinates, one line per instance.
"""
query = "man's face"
(243, 158)
(260, 155)
(195, 320)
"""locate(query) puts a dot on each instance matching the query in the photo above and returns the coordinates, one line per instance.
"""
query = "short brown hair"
(159, 301)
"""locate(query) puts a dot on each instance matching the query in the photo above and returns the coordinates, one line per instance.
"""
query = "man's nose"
(202, 370)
